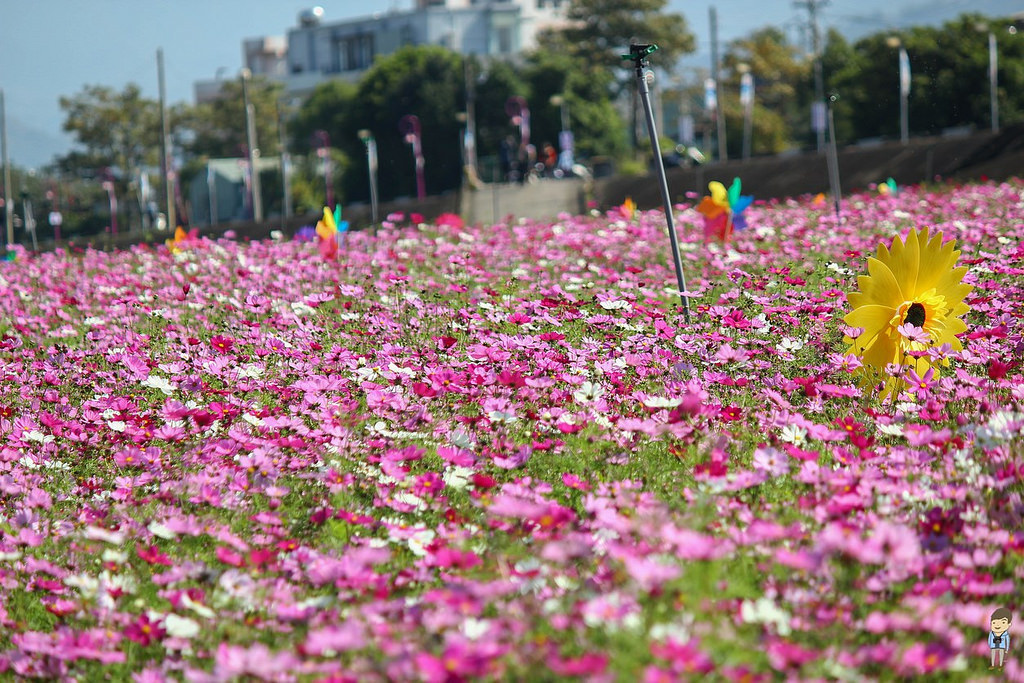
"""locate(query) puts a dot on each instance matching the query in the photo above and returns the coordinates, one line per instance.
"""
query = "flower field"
(462, 453)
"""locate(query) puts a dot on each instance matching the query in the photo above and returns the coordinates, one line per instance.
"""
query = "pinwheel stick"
(638, 55)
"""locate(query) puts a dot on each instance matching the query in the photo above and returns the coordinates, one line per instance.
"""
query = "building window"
(356, 52)
(504, 40)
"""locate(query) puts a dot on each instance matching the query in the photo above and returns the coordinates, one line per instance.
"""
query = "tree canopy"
(218, 127)
(119, 131)
(598, 32)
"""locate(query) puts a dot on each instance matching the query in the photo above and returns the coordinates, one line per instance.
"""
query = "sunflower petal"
(904, 262)
(881, 286)
(872, 317)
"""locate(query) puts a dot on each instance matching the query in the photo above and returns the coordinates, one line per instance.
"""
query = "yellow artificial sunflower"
(911, 300)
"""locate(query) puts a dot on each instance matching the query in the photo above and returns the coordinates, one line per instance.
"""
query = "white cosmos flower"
(789, 345)
(793, 434)
(588, 392)
(661, 402)
(161, 531)
(159, 383)
(765, 611)
(180, 627)
(95, 533)
(420, 540)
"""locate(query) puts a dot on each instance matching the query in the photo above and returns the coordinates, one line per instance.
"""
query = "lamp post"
(286, 170)
(323, 150)
(470, 142)
(254, 150)
(108, 185)
(519, 113)
(993, 77)
(409, 126)
(8, 202)
(747, 102)
(371, 164)
(993, 80)
(904, 62)
(565, 141)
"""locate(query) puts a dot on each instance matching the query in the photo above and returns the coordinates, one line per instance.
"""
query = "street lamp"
(253, 148)
(108, 185)
(519, 114)
(409, 126)
(993, 77)
(371, 163)
(904, 61)
(565, 141)
(747, 102)
(323, 150)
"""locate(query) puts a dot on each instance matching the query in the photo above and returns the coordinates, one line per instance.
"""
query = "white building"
(320, 50)
(265, 56)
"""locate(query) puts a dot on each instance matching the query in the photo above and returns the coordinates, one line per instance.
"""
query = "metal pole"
(723, 155)
(371, 165)
(410, 128)
(211, 189)
(8, 202)
(747, 101)
(904, 95)
(286, 171)
(833, 156)
(471, 157)
(639, 53)
(165, 158)
(993, 79)
(254, 150)
(30, 219)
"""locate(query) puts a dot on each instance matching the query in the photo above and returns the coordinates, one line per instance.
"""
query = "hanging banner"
(993, 58)
(817, 116)
(686, 129)
(904, 73)
(747, 90)
(710, 94)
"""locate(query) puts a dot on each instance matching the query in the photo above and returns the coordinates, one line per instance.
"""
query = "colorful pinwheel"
(182, 239)
(628, 209)
(331, 230)
(723, 210)
(888, 187)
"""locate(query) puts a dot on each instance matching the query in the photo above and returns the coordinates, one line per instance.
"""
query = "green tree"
(949, 79)
(217, 128)
(425, 81)
(493, 84)
(596, 125)
(781, 82)
(116, 130)
(598, 32)
(323, 110)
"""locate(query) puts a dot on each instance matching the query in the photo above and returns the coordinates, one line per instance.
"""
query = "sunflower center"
(915, 315)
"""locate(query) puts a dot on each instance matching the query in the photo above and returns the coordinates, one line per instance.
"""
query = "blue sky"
(50, 48)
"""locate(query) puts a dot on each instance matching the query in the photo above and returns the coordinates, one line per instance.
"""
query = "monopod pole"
(833, 156)
(638, 54)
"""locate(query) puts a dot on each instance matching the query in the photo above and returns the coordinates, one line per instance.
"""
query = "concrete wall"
(995, 155)
(542, 200)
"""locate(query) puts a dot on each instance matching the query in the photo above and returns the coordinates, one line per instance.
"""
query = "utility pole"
(286, 171)
(723, 154)
(993, 80)
(818, 107)
(8, 202)
(254, 150)
(166, 182)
